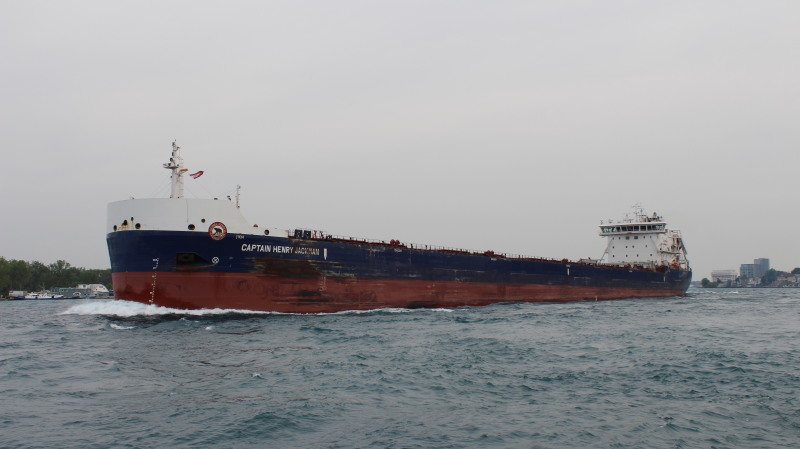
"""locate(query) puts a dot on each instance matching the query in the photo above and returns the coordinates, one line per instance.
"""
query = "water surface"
(715, 369)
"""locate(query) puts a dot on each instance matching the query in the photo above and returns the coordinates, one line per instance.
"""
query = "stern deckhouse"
(643, 240)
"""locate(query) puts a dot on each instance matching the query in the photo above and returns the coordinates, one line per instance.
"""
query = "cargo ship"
(191, 253)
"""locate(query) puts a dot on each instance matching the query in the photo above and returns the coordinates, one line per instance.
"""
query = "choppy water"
(717, 369)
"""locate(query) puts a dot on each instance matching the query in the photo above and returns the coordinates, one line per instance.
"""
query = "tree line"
(35, 276)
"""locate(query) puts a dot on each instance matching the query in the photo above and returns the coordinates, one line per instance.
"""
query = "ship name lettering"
(255, 247)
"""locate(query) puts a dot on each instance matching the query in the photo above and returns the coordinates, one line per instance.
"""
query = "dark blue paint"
(137, 251)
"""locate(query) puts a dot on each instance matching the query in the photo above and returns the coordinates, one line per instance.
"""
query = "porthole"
(138, 226)
(191, 227)
(266, 231)
(203, 220)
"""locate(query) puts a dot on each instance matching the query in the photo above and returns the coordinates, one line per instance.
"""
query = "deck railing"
(320, 235)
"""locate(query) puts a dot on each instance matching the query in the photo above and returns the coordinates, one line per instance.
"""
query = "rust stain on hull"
(304, 293)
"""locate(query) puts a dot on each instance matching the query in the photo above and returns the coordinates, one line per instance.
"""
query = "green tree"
(60, 273)
(796, 270)
(769, 277)
(705, 283)
(95, 276)
(33, 276)
(5, 276)
(40, 277)
(20, 274)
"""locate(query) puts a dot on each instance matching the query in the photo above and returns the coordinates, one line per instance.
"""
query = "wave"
(122, 308)
(126, 309)
(385, 310)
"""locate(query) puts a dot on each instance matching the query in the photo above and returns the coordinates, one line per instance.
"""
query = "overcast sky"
(507, 125)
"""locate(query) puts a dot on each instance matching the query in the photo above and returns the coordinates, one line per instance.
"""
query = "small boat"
(42, 295)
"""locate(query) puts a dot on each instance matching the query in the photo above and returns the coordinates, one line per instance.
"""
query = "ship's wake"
(129, 309)
(126, 309)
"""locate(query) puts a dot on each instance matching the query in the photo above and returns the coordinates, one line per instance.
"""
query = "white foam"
(387, 310)
(358, 312)
(122, 308)
(120, 327)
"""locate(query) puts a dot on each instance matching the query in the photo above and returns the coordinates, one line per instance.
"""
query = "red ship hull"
(326, 295)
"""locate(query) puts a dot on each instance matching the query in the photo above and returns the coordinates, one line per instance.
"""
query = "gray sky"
(507, 125)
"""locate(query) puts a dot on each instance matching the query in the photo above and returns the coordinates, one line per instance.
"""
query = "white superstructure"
(643, 240)
(176, 213)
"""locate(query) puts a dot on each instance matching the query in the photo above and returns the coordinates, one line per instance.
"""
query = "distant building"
(747, 271)
(761, 266)
(723, 275)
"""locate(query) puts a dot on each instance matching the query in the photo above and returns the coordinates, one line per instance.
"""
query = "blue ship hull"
(189, 270)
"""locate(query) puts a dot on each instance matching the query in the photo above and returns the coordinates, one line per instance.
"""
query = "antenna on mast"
(175, 164)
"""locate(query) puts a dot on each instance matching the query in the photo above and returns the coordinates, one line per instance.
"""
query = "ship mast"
(176, 165)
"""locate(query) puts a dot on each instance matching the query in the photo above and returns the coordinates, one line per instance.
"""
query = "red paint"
(324, 295)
